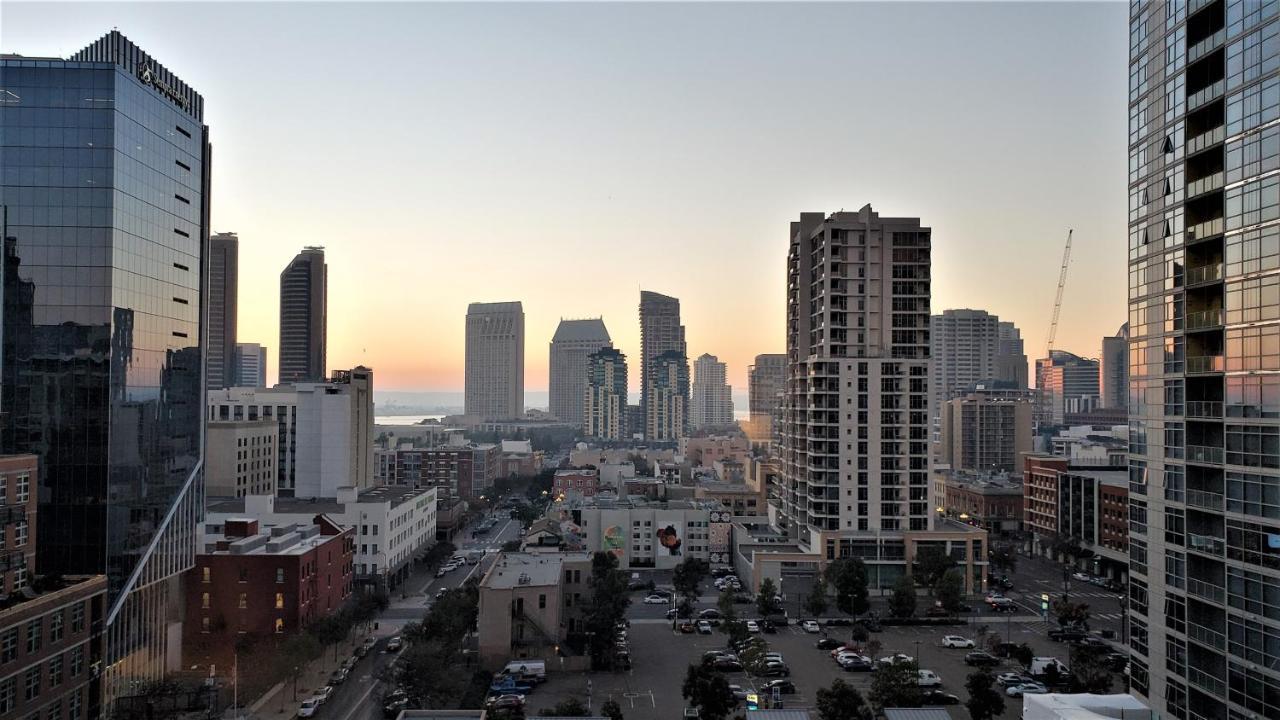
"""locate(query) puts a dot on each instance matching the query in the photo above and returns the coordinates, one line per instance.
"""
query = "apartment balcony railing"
(1204, 635)
(1205, 95)
(1204, 274)
(1206, 139)
(1206, 46)
(1206, 682)
(1195, 5)
(1205, 229)
(1205, 500)
(1205, 319)
(1205, 454)
(1205, 184)
(1205, 364)
(1204, 409)
(1208, 545)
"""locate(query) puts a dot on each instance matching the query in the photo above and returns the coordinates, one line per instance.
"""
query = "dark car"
(769, 627)
(1004, 649)
(838, 621)
(709, 614)
(727, 665)
(937, 697)
(688, 626)
(784, 687)
(1066, 635)
(775, 670)
(936, 612)
(828, 644)
(981, 659)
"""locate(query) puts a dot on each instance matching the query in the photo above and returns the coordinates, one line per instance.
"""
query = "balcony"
(1205, 319)
(1204, 409)
(1205, 500)
(1205, 454)
(1205, 364)
(1205, 636)
(1195, 6)
(1206, 682)
(1209, 545)
(1205, 95)
(1204, 274)
(1206, 46)
(1208, 228)
(1205, 140)
(1209, 183)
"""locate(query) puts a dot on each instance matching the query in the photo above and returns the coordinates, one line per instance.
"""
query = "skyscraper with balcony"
(224, 274)
(667, 414)
(710, 397)
(494, 370)
(1204, 357)
(105, 196)
(604, 411)
(855, 436)
(660, 333)
(765, 381)
(304, 302)
(970, 346)
(573, 342)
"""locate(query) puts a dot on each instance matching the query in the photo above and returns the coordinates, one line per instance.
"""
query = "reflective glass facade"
(1204, 356)
(103, 183)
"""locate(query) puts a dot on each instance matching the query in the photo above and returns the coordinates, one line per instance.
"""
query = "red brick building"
(1113, 523)
(585, 483)
(1040, 475)
(264, 582)
(17, 521)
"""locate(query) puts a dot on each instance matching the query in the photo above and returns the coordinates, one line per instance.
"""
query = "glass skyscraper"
(1204, 357)
(104, 184)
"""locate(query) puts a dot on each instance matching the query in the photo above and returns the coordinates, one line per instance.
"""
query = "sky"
(567, 155)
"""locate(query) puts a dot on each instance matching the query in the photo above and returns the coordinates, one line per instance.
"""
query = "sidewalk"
(279, 700)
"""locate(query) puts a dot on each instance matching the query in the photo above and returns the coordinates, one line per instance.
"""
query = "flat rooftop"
(527, 568)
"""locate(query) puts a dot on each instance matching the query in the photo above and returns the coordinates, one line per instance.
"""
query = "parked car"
(810, 626)
(769, 627)
(709, 614)
(956, 641)
(727, 665)
(704, 627)
(899, 658)
(324, 693)
(444, 570)
(1066, 635)
(1082, 577)
(339, 676)
(364, 647)
(828, 644)
(937, 697)
(981, 659)
(784, 687)
(441, 593)
(1012, 678)
(936, 611)
(656, 600)
(753, 626)
(687, 626)
(1031, 688)
(737, 692)
(504, 702)
(394, 644)
(309, 708)
(775, 669)
(394, 704)
(928, 679)
(855, 663)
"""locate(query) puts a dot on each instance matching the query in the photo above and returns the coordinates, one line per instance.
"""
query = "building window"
(20, 534)
(279, 601)
(244, 574)
(32, 684)
(279, 625)
(55, 626)
(55, 711)
(55, 671)
(77, 618)
(279, 575)
(204, 624)
(244, 601)
(204, 601)
(73, 706)
(77, 661)
(9, 645)
(205, 575)
(23, 488)
(8, 695)
(35, 630)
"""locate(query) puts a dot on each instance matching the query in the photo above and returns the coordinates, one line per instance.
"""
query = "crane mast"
(1057, 301)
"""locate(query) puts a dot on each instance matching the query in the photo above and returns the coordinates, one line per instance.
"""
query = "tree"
(295, 653)
(767, 598)
(688, 575)
(708, 691)
(859, 633)
(985, 702)
(930, 564)
(902, 604)
(753, 659)
(842, 701)
(895, 685)
(949, 590)
(816, 603)
(572, 707)
(611, 709)
(1024, 654)
(848, 577)
(1004, 558)
(1071, 613)
(609, 601)
(1089, 672)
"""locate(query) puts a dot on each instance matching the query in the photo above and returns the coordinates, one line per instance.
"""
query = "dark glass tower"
(104, 183)
(224, 283)
(1204, 357)
(303, 298)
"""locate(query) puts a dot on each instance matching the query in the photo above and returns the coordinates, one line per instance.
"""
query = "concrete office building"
(710, 396)
(573, 343)
(969, 346)
(1011, 356)
(240, 458)
(106, 388)
(495, 361)
(1113, 370)
(660, 334)
(604, 409)
(987, 428)
(224, 270)
(1204, 349)
(765, 382)
(1066, 384)
(325, 430)
(304, 303)
(667, 411)
(250, 365)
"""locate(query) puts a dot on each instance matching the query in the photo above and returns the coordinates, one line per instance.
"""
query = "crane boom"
(1057, 302)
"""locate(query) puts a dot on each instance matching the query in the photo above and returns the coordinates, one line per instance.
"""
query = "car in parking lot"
(937, 697)
(1012, 678)
(394, 703)
(309, 707)
(504, 702)
(709, 614)
(981, 659)
(855, 663)
(737, 692)
(687, 626)
(394, 644)
(775, 669)
(727, 665)
(810, 626)
(1067, 635)
(753, 626)
(441, 593)
(704, 627)
(1031, 688)
(898, 658)
(955, 641)
(656, 600)
(828, 644)
(928, 679)
(783, 687)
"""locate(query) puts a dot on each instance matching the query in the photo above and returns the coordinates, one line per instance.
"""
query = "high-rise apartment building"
(1011, 355)
(105, 196)
(604, 410)
(988, 428)
(1204, 357)
(494, 382)
(667, 414)
(224, 270)
(855, 442)
(304, 302)
(765, 382)
(970, 346)
(711, 398)
(1065, 383)
(1113, 370)
(250, 365)
(660, 333)
(573, 342)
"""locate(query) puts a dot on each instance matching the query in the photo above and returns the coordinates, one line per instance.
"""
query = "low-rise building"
(530, 603)
(707, 450)
(240, 458)
(738, 497)
(519, 459)
(1086, 506)
(576, 483)
(647, 533)
(262, 581)
(992, 501)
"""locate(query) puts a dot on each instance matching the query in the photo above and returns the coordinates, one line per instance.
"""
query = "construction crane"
(1057, 301)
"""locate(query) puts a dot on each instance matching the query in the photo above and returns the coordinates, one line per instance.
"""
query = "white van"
(928, 678)
(1040, 664)
(535, 670)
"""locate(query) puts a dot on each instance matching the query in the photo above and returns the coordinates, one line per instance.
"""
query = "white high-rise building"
(250, 365)
(495, 360)
(711, 398)
(971, 346)
(573, 342)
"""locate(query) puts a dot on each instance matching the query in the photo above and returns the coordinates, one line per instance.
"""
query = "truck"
(1040, 666)
(535, 670)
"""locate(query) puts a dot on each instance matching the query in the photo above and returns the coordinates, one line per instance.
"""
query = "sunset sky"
(568, 155)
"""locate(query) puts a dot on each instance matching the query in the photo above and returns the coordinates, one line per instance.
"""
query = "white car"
(810, 626)
(899, 658)
(1031, 688)
(1012, 678)
(1082, 577)
(704, 627)
(753, 626)
(773, 657)
(928, 679)
(955, 641)
(308, 708)
(324, 693)
(655, 600)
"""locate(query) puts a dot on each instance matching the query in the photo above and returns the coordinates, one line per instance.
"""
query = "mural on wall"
(670, 539)
(614, 540)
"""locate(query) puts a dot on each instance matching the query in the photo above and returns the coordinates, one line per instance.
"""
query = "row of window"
(41, 677)
(34, 633)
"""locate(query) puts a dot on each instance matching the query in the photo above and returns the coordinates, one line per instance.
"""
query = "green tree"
(985, 702)
(1089, 672)
(902, 604)
(688, 575)
(611, 709)
(895, 685)
(767, 598)
(428, 674)
(848, 577)
(930, 564)
(949, 590)
(1024, 655)
(1069, 613)
(816, 603)
(708, 691)
(296, 652)
(858, 633)
(753, 658)
(842, 701)
(571, 707)
(609, 601)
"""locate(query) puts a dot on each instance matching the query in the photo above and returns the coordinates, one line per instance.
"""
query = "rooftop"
(589, 330)
(530, 568)
(796, 714)
(50, 590)
(274, 540)
(1062, 706)
(396, 494)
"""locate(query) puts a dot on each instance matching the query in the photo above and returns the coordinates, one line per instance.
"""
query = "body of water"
(404, 419)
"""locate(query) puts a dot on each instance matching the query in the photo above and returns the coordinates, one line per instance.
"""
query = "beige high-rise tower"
(495, 360)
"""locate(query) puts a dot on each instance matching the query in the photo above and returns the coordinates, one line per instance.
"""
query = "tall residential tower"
(660, 333)
(711, 398)
(765, 382)
(604, 406)
(573, 342)
(494, 382)
(304, 299)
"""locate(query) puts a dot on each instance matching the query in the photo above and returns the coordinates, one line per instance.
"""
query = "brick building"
(263, 582)
(17, 521)
(993, 502)
(462, 471)
(582, 482)
(1040, 493)
(1114, 521)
